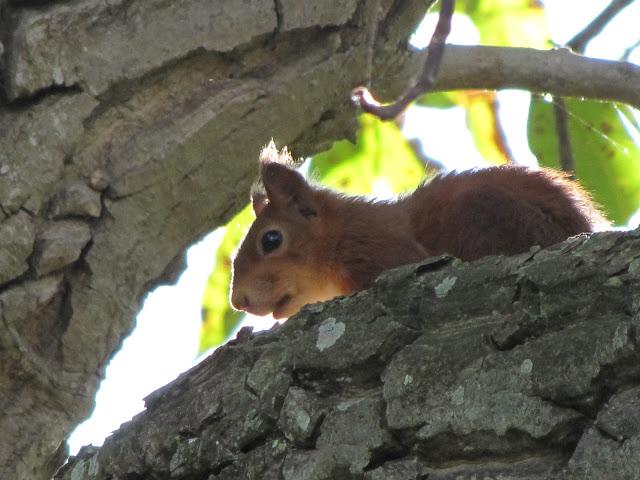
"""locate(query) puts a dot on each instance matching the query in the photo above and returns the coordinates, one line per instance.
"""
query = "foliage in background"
(218, 318)
(381, 153)
(607, 158)
(507, 23)
(482, 120)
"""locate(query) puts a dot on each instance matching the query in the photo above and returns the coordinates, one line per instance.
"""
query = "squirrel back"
(500, 211)
(310, 244)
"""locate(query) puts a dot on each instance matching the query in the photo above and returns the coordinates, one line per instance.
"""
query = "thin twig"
(627, 53)
(564, 140)
(579, 42)
(363, 98)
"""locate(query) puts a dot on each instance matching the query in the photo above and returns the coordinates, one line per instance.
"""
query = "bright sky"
(165, 341)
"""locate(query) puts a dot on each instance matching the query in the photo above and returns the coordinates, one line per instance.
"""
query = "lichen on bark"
(527, 369)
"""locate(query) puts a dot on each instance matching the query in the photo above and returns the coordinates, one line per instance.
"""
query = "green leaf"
(219, 320)
(380, 153)
(628, 113)
(437, 100)
(505, 23)
(484, 125)
(607, 160)
(518, 23)
(481, 109)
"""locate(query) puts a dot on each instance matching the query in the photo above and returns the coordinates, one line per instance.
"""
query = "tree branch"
(558, 72)
(579, 42)
(627, 53)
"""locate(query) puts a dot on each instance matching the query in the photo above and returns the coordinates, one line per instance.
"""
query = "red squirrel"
(309, 244)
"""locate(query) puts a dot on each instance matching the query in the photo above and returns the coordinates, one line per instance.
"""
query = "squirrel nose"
(240, 301)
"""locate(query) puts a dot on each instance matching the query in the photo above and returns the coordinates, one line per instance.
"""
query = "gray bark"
(127, 131)
(524, 367)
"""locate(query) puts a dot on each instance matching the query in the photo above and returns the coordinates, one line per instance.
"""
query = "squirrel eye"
(271, 240)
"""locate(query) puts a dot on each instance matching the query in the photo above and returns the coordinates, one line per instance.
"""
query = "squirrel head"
(281, 265)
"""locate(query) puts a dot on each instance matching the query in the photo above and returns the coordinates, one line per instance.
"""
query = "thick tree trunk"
(525, 367)
(128, 131)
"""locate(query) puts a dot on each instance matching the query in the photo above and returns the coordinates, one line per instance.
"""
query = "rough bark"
(524, 367)
(127, 131)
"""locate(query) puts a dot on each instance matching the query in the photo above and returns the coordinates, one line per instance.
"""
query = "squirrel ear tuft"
(288, 188)
(270, 154)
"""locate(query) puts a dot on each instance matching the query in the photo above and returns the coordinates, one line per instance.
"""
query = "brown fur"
(336, 245)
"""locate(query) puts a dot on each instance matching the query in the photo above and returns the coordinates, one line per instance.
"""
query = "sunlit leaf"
(438, 100)
(482, 119)
(484, 125)
(343, 167)
(628, 113)
(504, 23)
(219, 319)
(518, 23)
(380, 153)
(607, 160)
